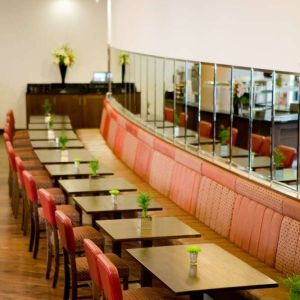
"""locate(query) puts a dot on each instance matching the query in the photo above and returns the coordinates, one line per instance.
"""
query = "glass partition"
(245, 117)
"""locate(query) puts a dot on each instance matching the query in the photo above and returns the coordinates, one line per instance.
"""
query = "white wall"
(256, 33)
(30, 29)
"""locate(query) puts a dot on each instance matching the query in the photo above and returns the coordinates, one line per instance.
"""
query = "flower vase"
(113, 199)
(63, 70)
(193, 258)
(193, 271)
(145, 222)
(123, 77)
(76, 165)
(224, 150)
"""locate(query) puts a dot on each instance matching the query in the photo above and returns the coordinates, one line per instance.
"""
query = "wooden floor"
(22, 277)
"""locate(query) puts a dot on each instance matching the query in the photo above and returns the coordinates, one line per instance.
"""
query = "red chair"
(169, 114)
(110, 283)
(49, 208)
(205, 129)
(19, 134)
(289, 154)
(182, 119)
(234, 133)
(265, 149)
(79, 265)
(256, 142)
(35, 213)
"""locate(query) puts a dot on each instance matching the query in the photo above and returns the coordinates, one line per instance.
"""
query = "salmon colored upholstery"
(234, 133)
(91, 251)
(169, 114)
(291, 208)
(164, 148)
(265, 149)
(257, 142)
(129, 151)
(133, 129)
(288, 252)
(289, 154)
(104, 123)
(119, 141)
(185, 181)
(20, 169)
(48, 206)
(30, 187)
(65, 229)
(110, 280)
(205, 129)
(182, 119)
(11, 156)
(255, 229)
(112, 131)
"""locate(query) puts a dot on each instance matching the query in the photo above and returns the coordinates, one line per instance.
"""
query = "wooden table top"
(160, 228)
(57, 156)
(40, 119)
(179, 132)
(41, 135)
(194, 140)
(97, 185)
(236, 151)
(284, 175)
(217, 269)
(40, 126)
(64, 170)
(52, 144)
(258, 162)
(99, 204)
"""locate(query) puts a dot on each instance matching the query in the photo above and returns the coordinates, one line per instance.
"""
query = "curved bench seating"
(257, 220)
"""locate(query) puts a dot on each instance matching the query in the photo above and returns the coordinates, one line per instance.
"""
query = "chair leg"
(67, 276)
(36, 236)
(56, 259)
(125, 283)
(49, 251)
(73, 277)
(26, 215)
(32, 234)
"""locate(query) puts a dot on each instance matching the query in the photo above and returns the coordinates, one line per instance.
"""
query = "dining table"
(55, 126)
(215, 270)
(41, 119)
(41, 135)
(257, 162)
(97, 206)
(51, 144)
(58, 156)
(145, 230)
(235, 151)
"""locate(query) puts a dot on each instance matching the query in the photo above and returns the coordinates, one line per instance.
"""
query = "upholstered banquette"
(257, 224)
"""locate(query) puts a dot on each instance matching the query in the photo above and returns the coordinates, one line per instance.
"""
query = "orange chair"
(289, 154)
(169, 114)
(234, 133)
(182, 119)
(205, 129)
(265, 149)
(257, 142)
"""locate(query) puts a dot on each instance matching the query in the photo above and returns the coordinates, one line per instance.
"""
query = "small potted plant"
(278, 163)
(50, 123)
(124, 60)
(193, 252)
(63, 140)
(47, 110)
(176, 125)
(239, 97)
(114, 195)
(77, 163)
(94, 167)
(293, 284)
(223, 136)
(144, 200)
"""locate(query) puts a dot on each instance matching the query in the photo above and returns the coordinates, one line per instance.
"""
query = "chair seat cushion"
(120, 264)
(58, 195)
(25, 154)
(71, 212)
(21, 134)
(82, 267)
(21, 143)
(87, 232)
(32, 165)
(43, 181)
(147, 293)
(42, 222)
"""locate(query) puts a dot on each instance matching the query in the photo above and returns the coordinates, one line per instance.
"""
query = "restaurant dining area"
(148, 164)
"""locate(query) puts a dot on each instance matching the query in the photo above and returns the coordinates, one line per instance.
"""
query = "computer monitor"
(101, 77)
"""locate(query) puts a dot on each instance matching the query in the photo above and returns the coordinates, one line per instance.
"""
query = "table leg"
(146, 277)
(146, 243)
(197, 296)
(78, 208)
(117, 248)
(117, 215)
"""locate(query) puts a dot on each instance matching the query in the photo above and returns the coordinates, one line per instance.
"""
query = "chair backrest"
(6, 137)
(182, 119)
(265, 149)
(91, 251)
(8, 130)
(289, 154)
(169, 114)
(11, 156)
(48, 205)
(205, 129)
(234, 133)
(30, 187)
(65, 229)
(257, 142)
(20, 169)
(109, 278)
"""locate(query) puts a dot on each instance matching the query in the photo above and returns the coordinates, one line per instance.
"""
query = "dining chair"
(18, 134)
(182, 119)
(78, 266)
(169, 114)
(265, 149)
(289, 155)
(35, 213)
(256, 142)
(53, 250)
(109, 280)
(234, 133)
(205, 129)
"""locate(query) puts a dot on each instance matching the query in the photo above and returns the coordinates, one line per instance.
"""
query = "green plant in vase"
(50, 122)
(223, 137)
(77, 162)
(63, 141)
(144, 200)
(47, 107)
(94, 167)
(293, 284)
(114, 194)
(278, 163)
(193, 251)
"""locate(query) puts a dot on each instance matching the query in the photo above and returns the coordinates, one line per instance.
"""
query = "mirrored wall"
(245, 117)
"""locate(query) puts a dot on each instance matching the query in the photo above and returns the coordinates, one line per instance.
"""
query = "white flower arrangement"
(63, 55)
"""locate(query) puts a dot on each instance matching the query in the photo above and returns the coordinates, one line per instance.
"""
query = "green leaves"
(193, 249)
(94, 166)
(143, 200)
